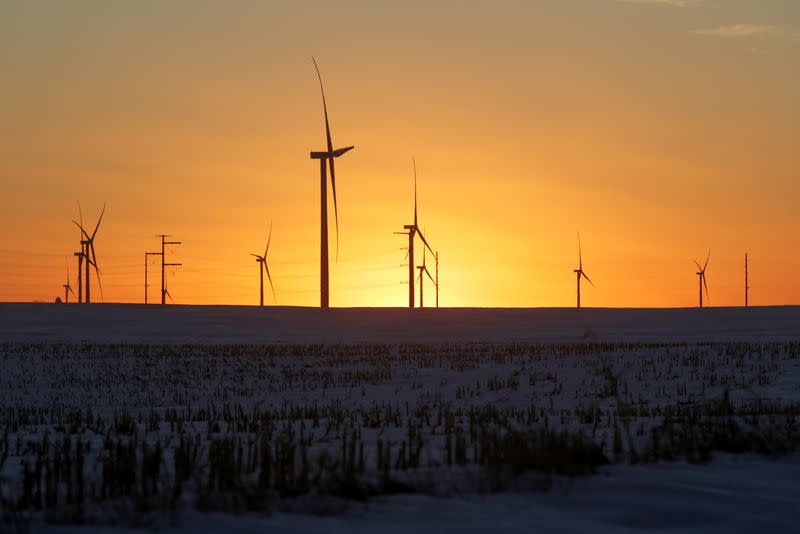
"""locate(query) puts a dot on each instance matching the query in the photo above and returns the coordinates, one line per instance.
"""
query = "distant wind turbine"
(326, 158)
(411, 231)
(87, 246)
(701, 273)
(423, 269)
(579, 271)
(67, 287)
(262, 267)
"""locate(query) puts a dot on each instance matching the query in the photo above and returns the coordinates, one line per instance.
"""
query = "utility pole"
(164, 242)
(437, 278)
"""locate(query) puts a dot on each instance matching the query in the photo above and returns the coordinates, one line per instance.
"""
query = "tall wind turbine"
(262, 261)
(701, 273)
(89, 255)
(67, 287)
(326, 158)
(579, 271)
(412, 230)
(423, 269)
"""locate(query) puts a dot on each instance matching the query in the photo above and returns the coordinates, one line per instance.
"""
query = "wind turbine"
(262, 261)
(423, 269)
(326, 158)
(579, 271)
(89, 254)
(67, 287)
(701, 273)
(411, 231)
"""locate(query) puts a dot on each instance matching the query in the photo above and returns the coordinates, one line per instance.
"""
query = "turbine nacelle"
(332, 154)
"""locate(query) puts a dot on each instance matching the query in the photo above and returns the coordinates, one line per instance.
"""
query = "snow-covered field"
(290, 419)
(128, 323)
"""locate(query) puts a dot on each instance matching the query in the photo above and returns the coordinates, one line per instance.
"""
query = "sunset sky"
(658, 128)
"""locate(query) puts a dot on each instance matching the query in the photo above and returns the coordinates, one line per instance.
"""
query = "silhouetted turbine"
(423, 269)
(91, 257)
(411, 231)
(579, 271)
(326, 158)
(701, 273)
(262, 267)
(67, 287)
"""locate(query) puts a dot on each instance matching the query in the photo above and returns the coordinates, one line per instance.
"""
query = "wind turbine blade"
(335, 207)
(425, 241)
(80, 214)
(269, 238)
(172, 300)
(94, 256)
(266, 268)
(429, 275)
(324, 106)
(703, 276)
(414, 163)
(257, 256)
(99, 283)
(707, 258)
(580, 256)
(99, 220)
(81, 228)
(698, 266)
(341, 151)
(587, 278)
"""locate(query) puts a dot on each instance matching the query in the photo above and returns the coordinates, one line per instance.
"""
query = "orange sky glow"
(658, 129)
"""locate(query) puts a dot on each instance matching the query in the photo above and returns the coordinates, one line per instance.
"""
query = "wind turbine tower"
(412, 230)
(80, 277)
(701, 274)
(262, 267)
(423, 269)
(87, 249)
(326, 158)
(67, 288)
(579, 271)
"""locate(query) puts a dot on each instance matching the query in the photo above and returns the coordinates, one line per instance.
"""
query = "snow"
(123, 323)
(734, 494)
(352, 367)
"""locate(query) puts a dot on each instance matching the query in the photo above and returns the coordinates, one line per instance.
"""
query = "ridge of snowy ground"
(127, 323)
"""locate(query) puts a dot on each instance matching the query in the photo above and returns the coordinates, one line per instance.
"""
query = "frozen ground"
(301, 420)
(735, 494)
(126, 323)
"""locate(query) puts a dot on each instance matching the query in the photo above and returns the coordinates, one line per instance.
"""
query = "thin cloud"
(747, 31)
(672, 3)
